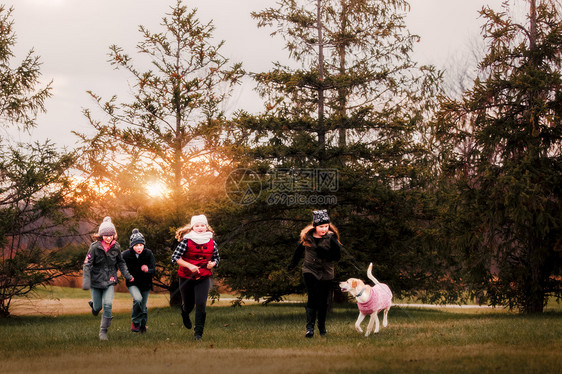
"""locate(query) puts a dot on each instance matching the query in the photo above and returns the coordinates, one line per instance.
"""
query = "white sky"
(72, 38)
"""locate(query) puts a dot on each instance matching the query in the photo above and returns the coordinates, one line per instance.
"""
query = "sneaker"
(135, 328)
(309, 333)
(91, 304)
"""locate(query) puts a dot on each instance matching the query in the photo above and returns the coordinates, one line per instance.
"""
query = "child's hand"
(144, 268)
(193, 269)
(211, 264)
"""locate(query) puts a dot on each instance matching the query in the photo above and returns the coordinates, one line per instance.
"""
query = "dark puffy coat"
(142, 280)
(319, 257)
(100, 267)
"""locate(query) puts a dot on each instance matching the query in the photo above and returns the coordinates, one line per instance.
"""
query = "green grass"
(55, 292)
(258, 339)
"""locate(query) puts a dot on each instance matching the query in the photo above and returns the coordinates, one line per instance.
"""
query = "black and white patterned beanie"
(136, 238)
(320, 217)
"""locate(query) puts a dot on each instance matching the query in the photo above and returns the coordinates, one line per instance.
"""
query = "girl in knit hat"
(196, 255)
(141, 264)
(100, 272)
(320, 245)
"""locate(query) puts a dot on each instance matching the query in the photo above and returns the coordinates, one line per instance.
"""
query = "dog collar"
(361, 292)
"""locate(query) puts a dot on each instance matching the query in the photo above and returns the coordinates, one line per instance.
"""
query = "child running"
(321, 248)
(141, 264)
(196, 255)
(100, 272)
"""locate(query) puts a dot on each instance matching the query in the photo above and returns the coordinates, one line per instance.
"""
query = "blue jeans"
(139, 315)
(103, 297)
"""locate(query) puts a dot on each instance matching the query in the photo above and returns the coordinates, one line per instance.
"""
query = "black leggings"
(194, 292)
(318, 292)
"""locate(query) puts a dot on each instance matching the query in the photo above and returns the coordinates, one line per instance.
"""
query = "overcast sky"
(72, 38)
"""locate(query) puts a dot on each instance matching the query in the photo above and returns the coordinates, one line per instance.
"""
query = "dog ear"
(354, 284)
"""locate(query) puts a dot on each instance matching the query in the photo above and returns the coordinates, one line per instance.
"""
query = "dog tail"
(370, 274)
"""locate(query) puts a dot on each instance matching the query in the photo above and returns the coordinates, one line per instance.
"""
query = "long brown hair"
(304, 232)
(187, 228)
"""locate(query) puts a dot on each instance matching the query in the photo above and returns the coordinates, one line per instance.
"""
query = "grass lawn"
(270, 339)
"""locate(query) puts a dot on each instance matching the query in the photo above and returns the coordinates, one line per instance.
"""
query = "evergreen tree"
(357, 91)
(343, 129)
(37, 205)
(505, 139)
(20, 97)
(169, 134)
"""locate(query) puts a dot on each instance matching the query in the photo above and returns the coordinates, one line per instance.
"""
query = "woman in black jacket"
(141, 264)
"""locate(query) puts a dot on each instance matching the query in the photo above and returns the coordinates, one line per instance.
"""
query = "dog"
(370, 300)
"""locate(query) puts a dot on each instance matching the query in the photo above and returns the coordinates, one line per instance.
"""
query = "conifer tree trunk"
(321, 125)
(342, 94)
(536, 293)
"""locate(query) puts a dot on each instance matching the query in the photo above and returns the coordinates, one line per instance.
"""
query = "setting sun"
(156, 189)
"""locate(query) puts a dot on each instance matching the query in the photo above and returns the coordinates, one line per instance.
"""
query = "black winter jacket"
(142, 280)
(319, 257)
(100, 267)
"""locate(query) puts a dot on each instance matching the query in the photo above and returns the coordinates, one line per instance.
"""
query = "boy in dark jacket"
(141, 264)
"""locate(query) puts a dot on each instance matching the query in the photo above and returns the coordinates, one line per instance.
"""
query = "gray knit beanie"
(107, 228)
(136, 238)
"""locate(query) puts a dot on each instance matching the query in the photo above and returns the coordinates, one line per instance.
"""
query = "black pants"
(318, 292)
(194, 292)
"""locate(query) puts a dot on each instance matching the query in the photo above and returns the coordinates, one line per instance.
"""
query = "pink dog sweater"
(381, 298)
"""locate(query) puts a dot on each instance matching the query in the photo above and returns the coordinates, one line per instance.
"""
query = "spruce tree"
(350, 108)
(506, 162)
(21, 98)
(37, 198)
